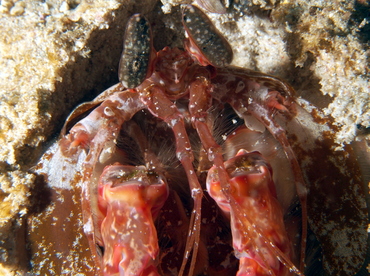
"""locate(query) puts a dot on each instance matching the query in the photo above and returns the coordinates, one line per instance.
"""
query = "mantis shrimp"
(191, 166)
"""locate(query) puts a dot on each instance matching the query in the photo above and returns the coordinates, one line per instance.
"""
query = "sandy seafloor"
(56, 54)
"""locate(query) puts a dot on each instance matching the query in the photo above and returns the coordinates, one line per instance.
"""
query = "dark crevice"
(361, 12)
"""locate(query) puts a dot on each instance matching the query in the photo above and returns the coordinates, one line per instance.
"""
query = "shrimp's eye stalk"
(205, 42)
(134, 66)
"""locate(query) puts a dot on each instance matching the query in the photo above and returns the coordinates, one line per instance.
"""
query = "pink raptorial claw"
(130, 198)
(252, 188)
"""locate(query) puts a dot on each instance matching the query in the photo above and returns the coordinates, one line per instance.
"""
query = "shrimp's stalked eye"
(204, 39)
(137, 48)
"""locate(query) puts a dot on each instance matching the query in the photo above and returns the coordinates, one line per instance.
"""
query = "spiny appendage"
(108, 116)
(259, 237)
(261, 103)
(265, 110)
(81, 135)
(95, 134)
(130, 199)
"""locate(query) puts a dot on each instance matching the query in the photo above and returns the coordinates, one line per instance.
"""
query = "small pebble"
(7, 4)
(17, 10)
(64, 8)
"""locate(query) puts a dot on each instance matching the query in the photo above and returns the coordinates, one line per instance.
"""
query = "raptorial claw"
(252, 188)
(129, 200)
